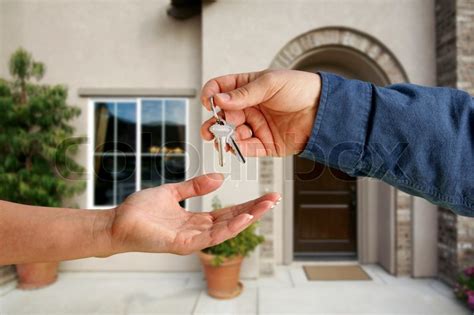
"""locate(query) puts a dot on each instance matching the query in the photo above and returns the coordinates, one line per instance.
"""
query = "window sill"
(135, 92)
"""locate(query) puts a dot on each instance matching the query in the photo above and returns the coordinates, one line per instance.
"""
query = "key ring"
(214, 110)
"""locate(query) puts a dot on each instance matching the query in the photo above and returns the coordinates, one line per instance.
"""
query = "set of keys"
(224, 135)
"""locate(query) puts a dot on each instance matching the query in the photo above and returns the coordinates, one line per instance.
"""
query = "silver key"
(221, 132)
(235, 147)
(221, 128)
(233, 144)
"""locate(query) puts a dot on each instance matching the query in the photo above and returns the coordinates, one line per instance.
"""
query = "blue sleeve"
(418, 139)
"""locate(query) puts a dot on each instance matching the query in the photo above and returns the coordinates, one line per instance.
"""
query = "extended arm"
(38, 234)
(419, 139)
(148, 221)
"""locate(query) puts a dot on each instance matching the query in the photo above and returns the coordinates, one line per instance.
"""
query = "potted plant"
(35, 168)
(222, 262)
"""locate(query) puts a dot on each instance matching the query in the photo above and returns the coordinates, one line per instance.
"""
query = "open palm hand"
(153, 221)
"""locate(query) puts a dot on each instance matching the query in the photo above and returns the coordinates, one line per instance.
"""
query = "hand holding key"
(273, 111)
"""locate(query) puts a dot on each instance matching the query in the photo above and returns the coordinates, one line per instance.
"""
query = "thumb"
(251, 94)
(197, 186)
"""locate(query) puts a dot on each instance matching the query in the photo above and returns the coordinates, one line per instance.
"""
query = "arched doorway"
(333, 216)
(344, 61)
(325, 202)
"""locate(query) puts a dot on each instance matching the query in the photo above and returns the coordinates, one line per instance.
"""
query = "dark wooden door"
(325, 211)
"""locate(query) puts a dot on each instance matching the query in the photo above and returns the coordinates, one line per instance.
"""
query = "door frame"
(367, 220)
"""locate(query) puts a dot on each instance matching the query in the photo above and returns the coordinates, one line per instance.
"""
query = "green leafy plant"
(241, 245)
(36, 141)
(464, 288)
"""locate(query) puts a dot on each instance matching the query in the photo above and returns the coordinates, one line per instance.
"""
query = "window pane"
(175, 169)
(152, 119)
(104, 127)
(125, 177)
(103, 181)
(126, 127)
(163, 131)
(175, 128)
(151, 171)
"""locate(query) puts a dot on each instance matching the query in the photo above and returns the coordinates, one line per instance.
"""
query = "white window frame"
(91, 136)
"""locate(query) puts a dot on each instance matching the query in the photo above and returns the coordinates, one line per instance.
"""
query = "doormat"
(335, 273)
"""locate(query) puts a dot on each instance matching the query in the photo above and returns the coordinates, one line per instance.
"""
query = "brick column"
(403, 239)
(267, 256)
(455, 68)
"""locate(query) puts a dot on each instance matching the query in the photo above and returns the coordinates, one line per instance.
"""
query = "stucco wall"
(122, 43)
(245, 35)
(119, 44)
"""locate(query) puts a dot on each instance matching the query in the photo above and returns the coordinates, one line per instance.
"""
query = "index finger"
(247, 207)
(225, 83)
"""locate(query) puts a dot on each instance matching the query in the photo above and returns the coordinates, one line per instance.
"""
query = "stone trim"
(293, 52)
(363, 43)
(267, 252)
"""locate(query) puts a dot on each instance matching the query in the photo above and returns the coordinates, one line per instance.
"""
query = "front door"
(325, 211)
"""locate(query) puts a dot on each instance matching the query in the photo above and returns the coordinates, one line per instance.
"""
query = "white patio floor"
(288, 292)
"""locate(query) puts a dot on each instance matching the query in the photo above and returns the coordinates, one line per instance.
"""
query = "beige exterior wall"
(242, 35)
(104, 44)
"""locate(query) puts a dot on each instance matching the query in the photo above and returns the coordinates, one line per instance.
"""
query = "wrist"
(308, 116)
(102, 233)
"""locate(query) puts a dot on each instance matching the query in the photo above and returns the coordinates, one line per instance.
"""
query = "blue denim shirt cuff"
(340, 127)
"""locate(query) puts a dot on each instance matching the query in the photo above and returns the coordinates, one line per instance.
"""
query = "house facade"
(136, 73)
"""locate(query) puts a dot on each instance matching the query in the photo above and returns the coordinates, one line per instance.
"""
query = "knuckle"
(267, 79)
(241, 92)
(196, 186)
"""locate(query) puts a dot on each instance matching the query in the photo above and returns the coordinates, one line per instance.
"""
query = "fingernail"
(224, 96)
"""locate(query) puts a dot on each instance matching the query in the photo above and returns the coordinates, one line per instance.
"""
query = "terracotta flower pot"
(223, 280)
(36, 275)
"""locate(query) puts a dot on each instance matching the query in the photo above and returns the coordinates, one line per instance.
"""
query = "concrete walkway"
(288, 292)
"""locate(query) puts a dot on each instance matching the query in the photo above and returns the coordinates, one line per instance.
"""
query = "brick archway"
(370, 47)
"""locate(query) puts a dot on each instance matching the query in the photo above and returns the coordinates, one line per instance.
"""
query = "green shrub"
(35, 163)
(241, 245)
